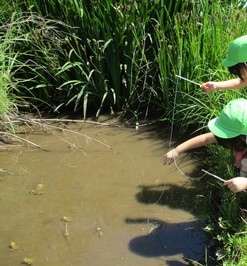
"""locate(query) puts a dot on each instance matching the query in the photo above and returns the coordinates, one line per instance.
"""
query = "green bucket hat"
(237, 52)
(232, 121)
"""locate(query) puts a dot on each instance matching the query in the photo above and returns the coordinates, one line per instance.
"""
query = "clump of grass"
(224, 211)
(123, 56)
(202, 36)
(7, 84)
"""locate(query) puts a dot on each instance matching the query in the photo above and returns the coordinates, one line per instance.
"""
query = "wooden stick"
(196, 83)
(215, 176)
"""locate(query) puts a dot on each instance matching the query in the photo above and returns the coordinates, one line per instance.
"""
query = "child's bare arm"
(224, 85)
(196, 142)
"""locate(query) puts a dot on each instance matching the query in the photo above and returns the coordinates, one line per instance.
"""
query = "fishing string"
(172, 128)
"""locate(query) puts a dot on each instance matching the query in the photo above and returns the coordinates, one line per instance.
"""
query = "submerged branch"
(53, 129)
(4, 171)
(73, 121)
(15, 137)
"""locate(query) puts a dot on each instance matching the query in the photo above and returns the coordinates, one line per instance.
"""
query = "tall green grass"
(8, 63)
(202, 37)
(111, 56)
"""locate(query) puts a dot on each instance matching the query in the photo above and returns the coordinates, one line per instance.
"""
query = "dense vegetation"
(107, 56)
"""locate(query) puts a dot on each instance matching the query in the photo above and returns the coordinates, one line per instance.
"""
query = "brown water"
(126, 207)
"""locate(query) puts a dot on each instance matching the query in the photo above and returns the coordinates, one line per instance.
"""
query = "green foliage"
(202, 37)
(235, 249)
(224, 211)
(107, 55)
(8, 61)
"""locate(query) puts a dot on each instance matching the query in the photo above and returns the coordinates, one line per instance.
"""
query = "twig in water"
(66, 232)
(4, 171)
(73, 121)
(20, 139)
(52, 128)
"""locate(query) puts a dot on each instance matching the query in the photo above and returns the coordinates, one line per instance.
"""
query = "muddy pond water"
(105, 200)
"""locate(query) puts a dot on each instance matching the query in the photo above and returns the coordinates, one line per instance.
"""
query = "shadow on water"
(178, 197)
(169, 239)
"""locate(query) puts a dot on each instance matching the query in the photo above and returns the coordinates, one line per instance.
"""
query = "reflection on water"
(98, 205)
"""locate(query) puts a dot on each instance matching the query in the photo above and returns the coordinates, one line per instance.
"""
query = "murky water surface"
(122, 206)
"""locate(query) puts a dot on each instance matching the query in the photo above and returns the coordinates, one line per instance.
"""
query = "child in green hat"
(236, 62)
(228, 130)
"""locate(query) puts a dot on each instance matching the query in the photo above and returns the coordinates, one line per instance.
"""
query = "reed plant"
(106, 55)
(6, 61)
(8, 100)
(203, 35)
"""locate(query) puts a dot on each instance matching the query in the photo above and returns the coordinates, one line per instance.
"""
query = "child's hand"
(236, 184)
(209, 86)
(170, 156)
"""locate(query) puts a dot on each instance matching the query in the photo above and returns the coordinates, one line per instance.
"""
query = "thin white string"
(173, 113)
(171, 136)
(171, 133)
(172, 126)
(187, 176)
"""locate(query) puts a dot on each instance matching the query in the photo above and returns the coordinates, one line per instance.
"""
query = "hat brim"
(216, 128)
(228, 63)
